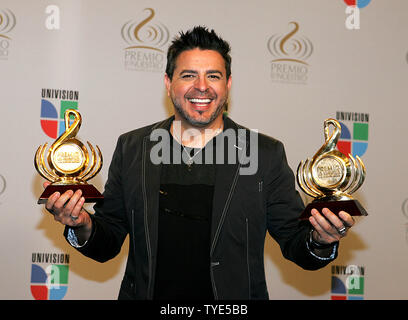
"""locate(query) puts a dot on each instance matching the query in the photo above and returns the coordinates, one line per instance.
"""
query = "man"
(197, 230)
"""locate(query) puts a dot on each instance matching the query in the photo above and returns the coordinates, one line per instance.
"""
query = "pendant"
(189, 162)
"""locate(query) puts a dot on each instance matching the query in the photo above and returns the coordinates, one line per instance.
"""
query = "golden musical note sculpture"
(331, 177)
(70, 164)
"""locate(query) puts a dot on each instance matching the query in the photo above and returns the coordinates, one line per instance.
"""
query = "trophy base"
(352, 207)
(89, 192)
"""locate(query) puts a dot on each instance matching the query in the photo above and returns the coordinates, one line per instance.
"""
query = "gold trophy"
(70, 164)
(331, 177)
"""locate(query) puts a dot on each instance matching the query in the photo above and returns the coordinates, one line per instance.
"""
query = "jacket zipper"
(217, 233)
(132, 219)
(149, 249)
(247, 258)
(213, 264)
(224, 211)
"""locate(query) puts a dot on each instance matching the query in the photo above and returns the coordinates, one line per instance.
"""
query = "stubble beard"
(200, 123)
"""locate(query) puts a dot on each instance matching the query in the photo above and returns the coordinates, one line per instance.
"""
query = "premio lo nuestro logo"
(3, 184)
(49, 275)
(146, 38)
(404, 209)
(347, 282)
(54, 102)
(7, 23)
(290, 53)
(354, 133)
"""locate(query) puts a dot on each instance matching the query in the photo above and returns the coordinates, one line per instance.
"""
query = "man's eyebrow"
(214, 71)
(196, 72)
(188, 71)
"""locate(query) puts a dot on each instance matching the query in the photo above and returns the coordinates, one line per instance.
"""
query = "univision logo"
(357, 3)
(353, 11)
(146, 38)
(347, 282)
(49, 276)
(54, 102)
(354, 133)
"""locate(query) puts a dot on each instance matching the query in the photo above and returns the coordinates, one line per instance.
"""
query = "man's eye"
(214, 77)
(187, 76)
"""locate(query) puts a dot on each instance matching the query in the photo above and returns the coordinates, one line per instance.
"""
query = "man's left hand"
(328, 227)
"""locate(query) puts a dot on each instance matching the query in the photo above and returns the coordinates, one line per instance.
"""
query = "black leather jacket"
(245, 207)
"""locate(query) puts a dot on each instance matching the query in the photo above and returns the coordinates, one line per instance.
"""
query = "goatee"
(200, 123)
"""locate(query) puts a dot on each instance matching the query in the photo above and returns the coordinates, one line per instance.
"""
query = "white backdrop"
(81, 46)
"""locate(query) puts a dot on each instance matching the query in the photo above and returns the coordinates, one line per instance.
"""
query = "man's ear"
(229, 82)
(167, 83)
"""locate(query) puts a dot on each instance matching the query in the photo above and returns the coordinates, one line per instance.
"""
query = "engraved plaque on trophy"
(70, 163)
(331, 177)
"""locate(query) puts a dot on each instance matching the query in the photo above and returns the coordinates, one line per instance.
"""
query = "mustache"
(195, 93)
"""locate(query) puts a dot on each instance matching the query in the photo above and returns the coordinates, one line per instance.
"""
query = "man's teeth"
(200, 101)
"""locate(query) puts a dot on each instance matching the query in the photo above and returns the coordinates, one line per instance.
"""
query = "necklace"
(190, 160)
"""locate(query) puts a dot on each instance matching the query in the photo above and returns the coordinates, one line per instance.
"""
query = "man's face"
(199, 88)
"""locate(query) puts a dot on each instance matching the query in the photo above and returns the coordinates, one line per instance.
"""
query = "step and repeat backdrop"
(295, 63)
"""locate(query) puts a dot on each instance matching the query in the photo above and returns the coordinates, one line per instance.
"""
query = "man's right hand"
(68, 210)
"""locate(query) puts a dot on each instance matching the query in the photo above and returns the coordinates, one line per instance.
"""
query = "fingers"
(76, 210)
(329, 226)
(67, 208)
(326, 233)
(46, 184)
(348, 220)
(51, 201)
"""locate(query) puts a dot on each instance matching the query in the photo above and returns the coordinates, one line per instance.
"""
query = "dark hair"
(198, 37)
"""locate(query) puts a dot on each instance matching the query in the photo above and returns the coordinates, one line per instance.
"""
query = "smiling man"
(197, 229)
(198, 88)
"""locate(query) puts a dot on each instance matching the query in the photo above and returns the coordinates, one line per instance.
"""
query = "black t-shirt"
(185, 208)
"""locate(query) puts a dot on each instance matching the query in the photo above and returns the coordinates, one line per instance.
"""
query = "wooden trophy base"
(89, 192)
(352, 207)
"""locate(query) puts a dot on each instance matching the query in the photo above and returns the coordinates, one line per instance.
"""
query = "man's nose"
(201, 83)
